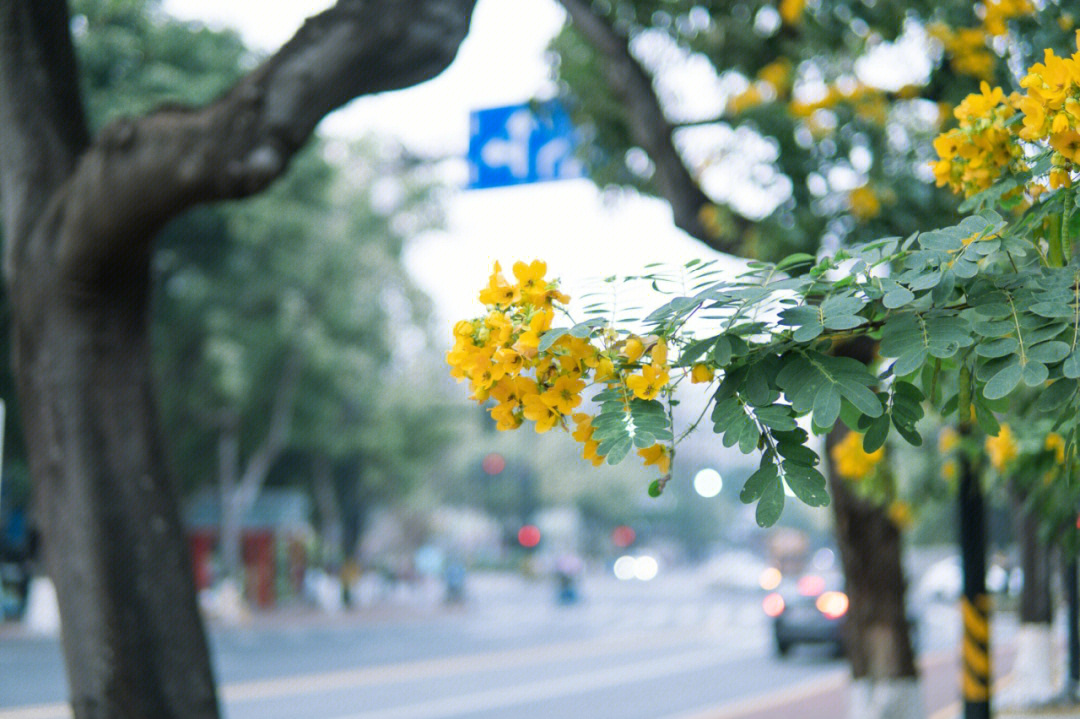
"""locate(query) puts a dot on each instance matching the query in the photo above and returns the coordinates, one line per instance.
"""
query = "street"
(672, 648)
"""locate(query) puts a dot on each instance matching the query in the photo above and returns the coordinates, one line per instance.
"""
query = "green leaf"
(756, 482)
(1000, 347)
(721, 351)
(897, 297)
(806, 483)
(799, 258)
(876, 434)
(826, 406)
(550, 338)
(1071, 366)
(771, 504)
(776, 417)
(864, 400)
(807, 332)
(1004, 382)
(1035, 373)
(1049, 352)
(844, 322)
(748, 438)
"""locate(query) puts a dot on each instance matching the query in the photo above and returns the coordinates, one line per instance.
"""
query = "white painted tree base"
(225, 603)
(1033, 681)
(886, 699)
(42, 615)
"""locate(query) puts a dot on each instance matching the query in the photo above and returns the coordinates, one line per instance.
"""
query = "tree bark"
(79, 221)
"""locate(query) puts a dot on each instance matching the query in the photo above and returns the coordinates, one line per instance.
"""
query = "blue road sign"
(520, 144)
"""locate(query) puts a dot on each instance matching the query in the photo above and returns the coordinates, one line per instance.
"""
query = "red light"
(623, 536)
(493, 463)
(833, 604)
(529, 536)
(811, 585)
(773, 604)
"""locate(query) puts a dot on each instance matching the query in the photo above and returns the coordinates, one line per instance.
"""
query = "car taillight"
(811, 585)
(833, 604)
(773, 604)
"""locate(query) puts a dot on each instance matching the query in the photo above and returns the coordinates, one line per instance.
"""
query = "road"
(667, 649)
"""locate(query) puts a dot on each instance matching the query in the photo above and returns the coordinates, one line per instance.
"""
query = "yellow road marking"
(407, 671)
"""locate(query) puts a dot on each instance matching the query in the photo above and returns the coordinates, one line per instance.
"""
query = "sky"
(582, 233)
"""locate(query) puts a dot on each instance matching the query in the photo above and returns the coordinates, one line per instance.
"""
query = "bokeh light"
(708, 482)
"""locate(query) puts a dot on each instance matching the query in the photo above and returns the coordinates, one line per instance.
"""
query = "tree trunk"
(79, 222)
(877, 637)
(231, 529)
(326, 501)
(112, 537)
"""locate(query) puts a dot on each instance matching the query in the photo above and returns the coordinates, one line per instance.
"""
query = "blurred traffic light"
(529, 536)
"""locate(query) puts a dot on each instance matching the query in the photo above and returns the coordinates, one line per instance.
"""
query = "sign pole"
(974, 604)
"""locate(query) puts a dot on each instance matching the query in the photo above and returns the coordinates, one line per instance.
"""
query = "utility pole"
(975, 604)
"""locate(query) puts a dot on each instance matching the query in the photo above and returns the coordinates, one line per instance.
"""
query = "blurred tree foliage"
(318, 260)
(805, 124)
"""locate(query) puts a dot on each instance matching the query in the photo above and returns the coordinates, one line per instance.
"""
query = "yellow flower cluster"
(1002, 449)
(967, 49)
(1051, 110)
(975, 154)
(899, 513)
(499, 354)
(851, 461)
(1056, 442)
(999, 12)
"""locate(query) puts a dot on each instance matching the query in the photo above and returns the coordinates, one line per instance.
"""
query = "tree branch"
(141, 172)
(648, 125)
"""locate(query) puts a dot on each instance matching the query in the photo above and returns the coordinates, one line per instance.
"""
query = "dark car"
(809, 611)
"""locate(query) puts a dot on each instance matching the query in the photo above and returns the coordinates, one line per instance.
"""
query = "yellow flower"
(700, 373)
(499, 291)
(658, 353)
(791, 10)
(777, 74)
(1056, 442)
(900, 513)
(657, 454)
(1002, 449)
(589, 453)
(539, 412)
(950, 470)
(605, 370)
(864, 203)
(974, 154)
(506, 417)
(648, 384)
(584, 430)
(948, 440)
(633, 349)
(531, 281)
(1067, 143)
(564, 395)
(851, 461)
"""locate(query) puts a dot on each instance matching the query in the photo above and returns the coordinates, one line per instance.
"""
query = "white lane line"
(580, 683)
(407, 671)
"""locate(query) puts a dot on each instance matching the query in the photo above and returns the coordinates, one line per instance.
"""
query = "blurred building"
(276, 537)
